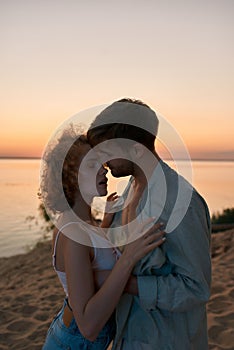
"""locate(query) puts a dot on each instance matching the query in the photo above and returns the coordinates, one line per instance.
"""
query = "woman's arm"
(131, 286)
(91, 309)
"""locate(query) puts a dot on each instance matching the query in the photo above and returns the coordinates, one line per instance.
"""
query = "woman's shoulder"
(73, 230)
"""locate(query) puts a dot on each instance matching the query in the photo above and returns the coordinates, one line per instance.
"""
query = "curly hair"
(59, 171)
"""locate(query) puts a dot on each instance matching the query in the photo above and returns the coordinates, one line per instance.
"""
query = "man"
(171, 286)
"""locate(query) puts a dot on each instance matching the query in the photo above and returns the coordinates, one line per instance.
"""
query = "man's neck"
(143, 174)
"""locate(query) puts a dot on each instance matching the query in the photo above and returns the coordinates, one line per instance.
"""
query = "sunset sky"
(61, 57)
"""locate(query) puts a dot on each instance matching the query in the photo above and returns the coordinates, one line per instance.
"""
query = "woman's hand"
(148, 241)
(108, 215)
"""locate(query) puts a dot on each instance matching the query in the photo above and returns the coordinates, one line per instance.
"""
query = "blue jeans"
(69, 338)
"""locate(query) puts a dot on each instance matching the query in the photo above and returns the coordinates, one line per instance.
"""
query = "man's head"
(126, 118)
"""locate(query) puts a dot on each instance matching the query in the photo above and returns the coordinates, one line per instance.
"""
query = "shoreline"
(195, 159)
(31, 295)
(216, 229)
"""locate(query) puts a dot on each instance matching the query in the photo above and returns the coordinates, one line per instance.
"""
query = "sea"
(21, 225)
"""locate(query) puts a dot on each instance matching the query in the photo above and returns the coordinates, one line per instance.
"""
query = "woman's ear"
(137, 150)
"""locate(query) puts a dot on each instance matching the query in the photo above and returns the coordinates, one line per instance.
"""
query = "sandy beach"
(31, 295)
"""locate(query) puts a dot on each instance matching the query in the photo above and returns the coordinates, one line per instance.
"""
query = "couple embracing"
(141, 281)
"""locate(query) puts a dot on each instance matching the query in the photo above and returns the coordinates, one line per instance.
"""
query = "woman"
(86, 319)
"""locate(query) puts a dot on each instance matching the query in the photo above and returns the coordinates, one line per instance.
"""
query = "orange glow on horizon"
(32, 145)
(30, 136)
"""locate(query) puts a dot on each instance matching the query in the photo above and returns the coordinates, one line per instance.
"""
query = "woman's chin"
(102, 191)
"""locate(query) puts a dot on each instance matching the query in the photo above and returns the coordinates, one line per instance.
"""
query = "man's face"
(120, 167)
(115, 157)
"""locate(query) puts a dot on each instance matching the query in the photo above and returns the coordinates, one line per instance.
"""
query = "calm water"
(19, 185)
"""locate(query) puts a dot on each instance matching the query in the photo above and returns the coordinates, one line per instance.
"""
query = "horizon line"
(166, 159)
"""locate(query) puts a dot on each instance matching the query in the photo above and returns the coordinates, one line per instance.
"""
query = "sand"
(30, 295)
(221, 305)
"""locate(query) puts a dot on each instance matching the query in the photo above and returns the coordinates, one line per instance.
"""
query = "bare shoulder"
(76, 235)
(73, 244)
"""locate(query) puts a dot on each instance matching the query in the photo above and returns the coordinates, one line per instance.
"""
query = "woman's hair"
(59, 170)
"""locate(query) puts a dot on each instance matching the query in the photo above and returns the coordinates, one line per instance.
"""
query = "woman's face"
(92, 178)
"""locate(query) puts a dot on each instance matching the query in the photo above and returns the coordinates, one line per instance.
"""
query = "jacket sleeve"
(187, 249)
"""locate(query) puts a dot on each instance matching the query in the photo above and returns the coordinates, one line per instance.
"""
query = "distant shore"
(30, 295)
(166, 159)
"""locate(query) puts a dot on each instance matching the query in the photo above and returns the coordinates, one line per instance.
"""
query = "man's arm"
(188, 250)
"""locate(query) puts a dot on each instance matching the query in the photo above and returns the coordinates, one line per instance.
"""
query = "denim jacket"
(170, 311)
